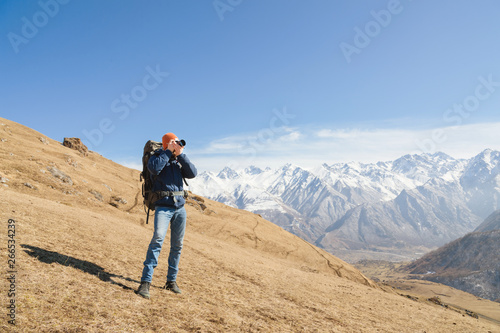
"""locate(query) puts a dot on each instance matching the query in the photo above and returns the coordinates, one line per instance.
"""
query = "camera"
(181, 143)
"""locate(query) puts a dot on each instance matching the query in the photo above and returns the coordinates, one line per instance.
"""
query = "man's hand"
(175, 148)
(171, 146)
(178, 149)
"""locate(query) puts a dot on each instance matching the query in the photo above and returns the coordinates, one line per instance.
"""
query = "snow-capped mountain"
(415, 202)
(481, 181)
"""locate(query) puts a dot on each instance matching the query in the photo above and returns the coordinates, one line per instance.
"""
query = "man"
(168, 167)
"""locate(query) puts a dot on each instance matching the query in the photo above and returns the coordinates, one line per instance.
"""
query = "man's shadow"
(50, 257)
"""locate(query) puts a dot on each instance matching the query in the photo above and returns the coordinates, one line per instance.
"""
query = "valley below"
(413, 286)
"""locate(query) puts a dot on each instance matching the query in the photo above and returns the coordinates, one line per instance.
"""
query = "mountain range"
(393, 210)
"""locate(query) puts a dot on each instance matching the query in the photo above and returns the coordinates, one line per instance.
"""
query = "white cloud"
(309, 147)
(225, 144)
(460, 141)
(338, 134)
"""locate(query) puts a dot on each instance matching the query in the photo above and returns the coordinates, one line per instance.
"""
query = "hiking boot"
(172, 286)
(143, 289)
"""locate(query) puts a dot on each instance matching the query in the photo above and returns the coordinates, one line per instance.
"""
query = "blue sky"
(256, 81)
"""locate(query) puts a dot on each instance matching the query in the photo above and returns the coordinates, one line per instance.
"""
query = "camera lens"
(181, 143)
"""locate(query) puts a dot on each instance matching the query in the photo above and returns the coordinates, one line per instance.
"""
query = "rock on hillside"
(471, 264)
(76, 144)
(79, 258)
(492, 222)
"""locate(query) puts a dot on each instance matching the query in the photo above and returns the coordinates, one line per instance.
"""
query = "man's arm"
(188, 169)
(158, 161)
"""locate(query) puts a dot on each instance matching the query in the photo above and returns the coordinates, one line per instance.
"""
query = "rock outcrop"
(76, 144)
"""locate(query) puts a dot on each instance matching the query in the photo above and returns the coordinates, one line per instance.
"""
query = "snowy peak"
(385, 180)
(227, 173)
(288, 169)
(425, 166)
(481, 181)
(483, 167)
(253, 170)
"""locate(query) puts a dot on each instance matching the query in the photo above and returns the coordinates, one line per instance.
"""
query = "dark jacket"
(167, 173)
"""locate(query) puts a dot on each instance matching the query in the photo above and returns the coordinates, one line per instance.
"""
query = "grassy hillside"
(470, 263)
(80, 240)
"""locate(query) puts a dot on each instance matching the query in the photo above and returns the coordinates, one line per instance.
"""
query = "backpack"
(150, 197)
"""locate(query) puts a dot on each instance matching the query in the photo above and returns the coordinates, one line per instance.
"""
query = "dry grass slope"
(396, 275)
(81, 241)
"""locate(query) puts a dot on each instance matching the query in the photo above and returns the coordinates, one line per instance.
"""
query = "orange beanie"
(167, 138)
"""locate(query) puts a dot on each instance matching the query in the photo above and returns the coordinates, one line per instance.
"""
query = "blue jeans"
(163, 216)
